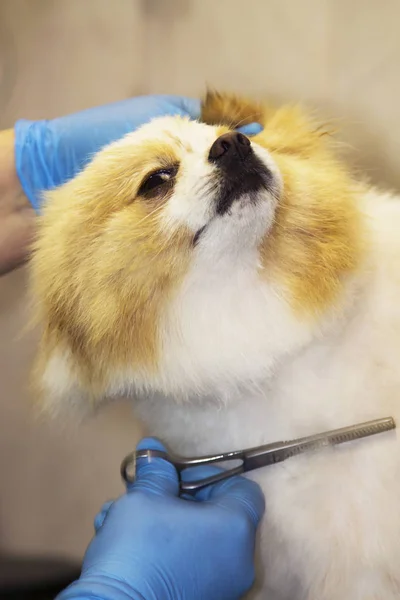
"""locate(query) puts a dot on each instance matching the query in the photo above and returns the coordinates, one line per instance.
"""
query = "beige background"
(58, 56)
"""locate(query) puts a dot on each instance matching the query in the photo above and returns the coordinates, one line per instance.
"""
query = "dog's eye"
(156, 180)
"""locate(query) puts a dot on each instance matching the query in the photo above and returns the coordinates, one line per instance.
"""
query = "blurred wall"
(58, 56)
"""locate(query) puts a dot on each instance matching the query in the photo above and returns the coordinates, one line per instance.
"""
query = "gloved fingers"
(251, 129)
(155, 475)
(240, 492)
(195, 473)
(100, 517)
(236, 493)
(189, 106)
(200, 472)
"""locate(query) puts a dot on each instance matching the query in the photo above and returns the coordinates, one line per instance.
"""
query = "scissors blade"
(273, 453)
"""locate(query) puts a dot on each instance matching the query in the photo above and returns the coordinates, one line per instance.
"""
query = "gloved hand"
(48, 153)
(153, 545)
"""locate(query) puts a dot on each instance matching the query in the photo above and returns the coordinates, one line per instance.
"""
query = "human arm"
(16, 212)
(38, 155)
(153, 545)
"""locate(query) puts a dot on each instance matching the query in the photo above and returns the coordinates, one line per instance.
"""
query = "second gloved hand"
(153, 545)
(48, 153)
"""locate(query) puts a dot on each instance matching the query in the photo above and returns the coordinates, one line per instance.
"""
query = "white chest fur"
(332, 524)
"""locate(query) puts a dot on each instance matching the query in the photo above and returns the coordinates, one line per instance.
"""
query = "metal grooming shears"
(254, 458)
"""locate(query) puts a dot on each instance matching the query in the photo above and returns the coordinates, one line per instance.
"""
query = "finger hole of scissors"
(208, 470)
(199, 472)
(128, 468)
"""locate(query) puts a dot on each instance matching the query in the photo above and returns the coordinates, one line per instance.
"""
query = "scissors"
(254, 458)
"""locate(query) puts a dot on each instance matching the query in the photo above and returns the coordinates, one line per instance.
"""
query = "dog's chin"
(243, 206)
(244, 223)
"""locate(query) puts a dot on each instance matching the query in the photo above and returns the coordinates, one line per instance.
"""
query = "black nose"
(230, 146)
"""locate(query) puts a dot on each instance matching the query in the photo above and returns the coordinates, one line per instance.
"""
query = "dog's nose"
(228, 147)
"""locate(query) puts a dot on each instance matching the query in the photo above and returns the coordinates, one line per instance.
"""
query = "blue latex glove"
(153, 545)
(48, 153)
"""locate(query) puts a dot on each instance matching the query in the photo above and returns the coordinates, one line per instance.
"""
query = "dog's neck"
(234, 353)
(272, 403)
(229, 328)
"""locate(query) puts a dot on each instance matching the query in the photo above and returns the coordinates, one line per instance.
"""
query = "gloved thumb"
(155, 475)
(190, 106)
(251, 129)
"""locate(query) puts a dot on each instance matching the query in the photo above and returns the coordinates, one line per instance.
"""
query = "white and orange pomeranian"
(241, 291)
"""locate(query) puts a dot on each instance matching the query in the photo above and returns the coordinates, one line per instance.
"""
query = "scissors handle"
(128, 467)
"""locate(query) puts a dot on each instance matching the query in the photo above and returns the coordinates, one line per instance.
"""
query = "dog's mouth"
(246, 185)
(198, 235)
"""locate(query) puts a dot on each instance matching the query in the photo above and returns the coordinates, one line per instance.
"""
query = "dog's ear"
(231, 110)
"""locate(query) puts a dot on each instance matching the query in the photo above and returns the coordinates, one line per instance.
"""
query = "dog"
(242, 291)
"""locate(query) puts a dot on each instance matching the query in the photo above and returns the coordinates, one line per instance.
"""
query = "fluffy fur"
(276, 319)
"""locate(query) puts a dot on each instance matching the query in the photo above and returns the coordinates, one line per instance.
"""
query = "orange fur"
(103, 267)
(316, 240)
(317, 236)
